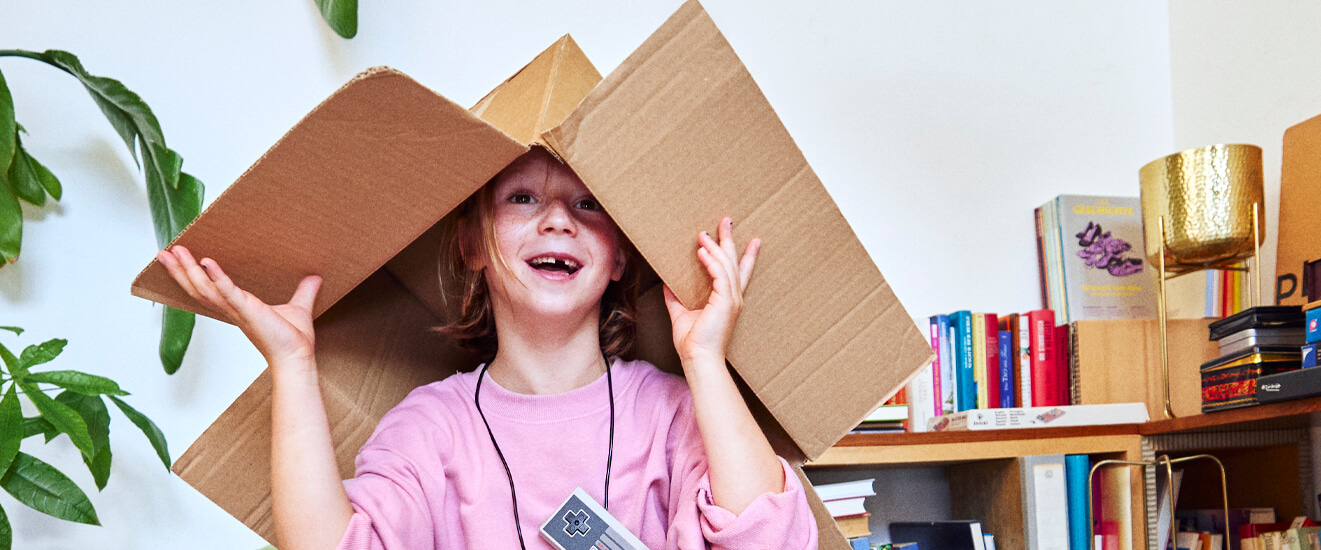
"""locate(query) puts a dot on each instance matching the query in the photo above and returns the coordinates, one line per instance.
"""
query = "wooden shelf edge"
(1283, 411)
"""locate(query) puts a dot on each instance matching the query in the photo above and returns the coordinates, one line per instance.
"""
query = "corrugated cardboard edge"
(1299, 238)
(590, 141)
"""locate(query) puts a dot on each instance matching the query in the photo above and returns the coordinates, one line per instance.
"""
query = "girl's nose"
(558, 218)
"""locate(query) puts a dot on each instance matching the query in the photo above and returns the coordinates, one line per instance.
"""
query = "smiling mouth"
(545, 263)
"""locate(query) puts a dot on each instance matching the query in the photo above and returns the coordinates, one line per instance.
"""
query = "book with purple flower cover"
(1105, 270)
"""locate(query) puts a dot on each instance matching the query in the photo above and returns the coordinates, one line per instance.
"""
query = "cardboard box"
(1300, 201)
(676, 138)
(1118, 361)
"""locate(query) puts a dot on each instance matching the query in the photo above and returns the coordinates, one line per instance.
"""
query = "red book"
(992, 361)
(1062, 356)
(1045, 383)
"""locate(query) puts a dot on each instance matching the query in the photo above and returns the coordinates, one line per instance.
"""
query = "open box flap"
(353, 183)
(679, 136)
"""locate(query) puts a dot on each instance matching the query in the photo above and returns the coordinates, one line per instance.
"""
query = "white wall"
(937, 126)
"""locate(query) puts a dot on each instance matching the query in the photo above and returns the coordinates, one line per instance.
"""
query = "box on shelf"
(1288, 386)
(1118, 361)
(1300, 200)
(1230, 382)
(681, 118)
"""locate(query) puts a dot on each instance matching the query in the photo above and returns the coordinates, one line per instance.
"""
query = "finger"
(205, 287)
(749, 260)
(726, 232)
(235, 297)
(173, 267)
(720, 284)
(724, 263)
(672, 303)
(305, 295)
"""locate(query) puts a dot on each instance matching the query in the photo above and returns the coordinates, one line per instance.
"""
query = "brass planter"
(1206, 197)
(1201, 209)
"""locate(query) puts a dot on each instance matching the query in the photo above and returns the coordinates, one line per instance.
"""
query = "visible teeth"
(565, 264)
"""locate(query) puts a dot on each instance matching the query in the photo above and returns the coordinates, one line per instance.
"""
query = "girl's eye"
(588, 204)
(520, 198)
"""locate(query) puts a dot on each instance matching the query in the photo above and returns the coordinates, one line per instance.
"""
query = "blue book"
(860, 543)
(1007, 370)
(1076, 470)
(948, 398)
(967, 390)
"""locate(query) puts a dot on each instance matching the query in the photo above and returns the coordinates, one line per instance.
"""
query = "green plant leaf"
(81, 382)
(35, 425)
(10, 361)
(97, 418)
(11, 427)
(48, 180)
(148, 427)
(11, 222)
(61, 416)
(15, 330)
(341, 15)
(41, 353)
(8, 126)
(24, 178)
(6, 532)
(176, 332)
(47, 490)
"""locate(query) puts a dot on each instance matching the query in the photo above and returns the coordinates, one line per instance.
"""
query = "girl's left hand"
(704, 333)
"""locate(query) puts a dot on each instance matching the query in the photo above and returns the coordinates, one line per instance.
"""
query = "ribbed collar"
(593, 398)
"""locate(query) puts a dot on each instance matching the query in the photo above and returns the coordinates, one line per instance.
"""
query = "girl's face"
(560, 247)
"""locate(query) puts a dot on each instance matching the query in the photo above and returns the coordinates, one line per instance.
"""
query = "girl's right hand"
(282, 333)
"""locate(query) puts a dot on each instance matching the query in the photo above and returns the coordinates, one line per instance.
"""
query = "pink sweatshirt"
(429, 478)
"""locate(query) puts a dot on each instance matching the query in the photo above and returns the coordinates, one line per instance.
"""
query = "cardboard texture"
(1118, 361)
(676, 138)
(1300, 206)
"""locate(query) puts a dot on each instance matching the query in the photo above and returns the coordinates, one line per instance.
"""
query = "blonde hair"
(468, 234)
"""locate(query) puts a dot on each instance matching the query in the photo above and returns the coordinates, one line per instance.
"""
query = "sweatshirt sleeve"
(393, 495)
(772, 520)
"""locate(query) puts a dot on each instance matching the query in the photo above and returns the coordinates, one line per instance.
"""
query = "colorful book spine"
(1076, 470)
(1062, 357)
(992, 377)
(979, 360)
(1025, 360)
(967, 388)
(1006, 370)
(936, 364)
(948, 372)
(1010, 323)
(1045, 382)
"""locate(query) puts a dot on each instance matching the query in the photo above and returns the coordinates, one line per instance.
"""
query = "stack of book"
(1301, 534)
(1092, 259)
(846, 502)
(1209, 527)
(1254, 343)
(889, 418)
(1305, 382)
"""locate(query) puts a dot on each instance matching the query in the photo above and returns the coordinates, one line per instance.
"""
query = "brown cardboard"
(1118, 361)
(676, 138)
(1300, 203)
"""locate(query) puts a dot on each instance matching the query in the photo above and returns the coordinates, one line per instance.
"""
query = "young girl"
(483, 458)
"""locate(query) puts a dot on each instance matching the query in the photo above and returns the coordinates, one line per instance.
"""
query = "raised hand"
(704, 333)
(282, 333)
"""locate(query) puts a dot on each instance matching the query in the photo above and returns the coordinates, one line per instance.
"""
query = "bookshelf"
(1265, 448)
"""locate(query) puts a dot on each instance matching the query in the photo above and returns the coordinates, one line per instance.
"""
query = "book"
(1010, 323)
(1045, 502)
(846, 489)
(1024, 368)
(967, 390)
(855, 525)
(921, 399)
(992, 377)
(1100, 258)
(1042, 417)
(846, 507)
(1164, 506)
(1076, 470)
(1212, 520)
(860, 543)
(940, 343)
(1006, 377)
(979, 360)
(940, 535)
(1116, 510)
(888, 413)
(989, 540)
(1188, 540)
(1062, 356)
(1045, 380)
(950, 374)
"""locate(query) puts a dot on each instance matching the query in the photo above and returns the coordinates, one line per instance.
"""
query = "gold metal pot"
(1206, 197)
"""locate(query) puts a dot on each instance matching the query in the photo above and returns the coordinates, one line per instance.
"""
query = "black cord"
(610, 454)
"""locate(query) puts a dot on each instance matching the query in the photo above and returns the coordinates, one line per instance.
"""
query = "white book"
(921, 400)
(1191, 541)
(1164, 505)
(888, 413)
(1045, 502)
(949, 384)
(847, 489)
(1025, 360)
(990, 541)
(1041, 417)
(846, 507)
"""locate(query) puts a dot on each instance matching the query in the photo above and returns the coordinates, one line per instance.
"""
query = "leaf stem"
(31, 55)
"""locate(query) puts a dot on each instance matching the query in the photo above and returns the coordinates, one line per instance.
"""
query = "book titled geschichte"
(1096, 264)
